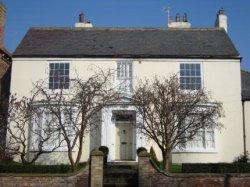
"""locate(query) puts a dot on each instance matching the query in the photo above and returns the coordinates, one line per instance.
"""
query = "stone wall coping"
(97, 153)
(45, 174)
(197, 175)
(143, 154)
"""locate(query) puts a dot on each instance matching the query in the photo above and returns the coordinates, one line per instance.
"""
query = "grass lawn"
(176, 168)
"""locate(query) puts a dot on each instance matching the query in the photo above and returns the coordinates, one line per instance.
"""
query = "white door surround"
(112, 115)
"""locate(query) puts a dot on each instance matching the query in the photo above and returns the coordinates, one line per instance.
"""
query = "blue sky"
(23, 14)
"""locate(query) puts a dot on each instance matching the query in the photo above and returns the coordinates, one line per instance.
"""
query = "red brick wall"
(2, 23)
(25, 180)
(150, 177)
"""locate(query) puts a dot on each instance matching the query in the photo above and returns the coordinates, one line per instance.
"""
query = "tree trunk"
(167, 161)
(72, 163)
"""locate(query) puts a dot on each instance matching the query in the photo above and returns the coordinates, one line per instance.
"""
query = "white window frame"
(127, 64)
(47, 73)
(59, 75)
(204, 149)
(40, 124)
(188, 61)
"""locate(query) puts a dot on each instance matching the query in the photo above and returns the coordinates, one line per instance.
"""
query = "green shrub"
(140, 149)
(154, 157)
(243, 158)
(30, 168)
(104, 149)
(216, 168)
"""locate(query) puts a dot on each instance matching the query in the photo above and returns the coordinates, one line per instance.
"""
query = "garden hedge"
(216, 168)
(31, 168)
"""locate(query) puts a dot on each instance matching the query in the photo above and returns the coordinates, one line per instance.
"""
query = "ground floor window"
(46, 130)
(203, 140)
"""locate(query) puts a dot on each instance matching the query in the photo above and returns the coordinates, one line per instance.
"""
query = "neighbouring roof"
(126, 43)
(245, 85)
(5, 61)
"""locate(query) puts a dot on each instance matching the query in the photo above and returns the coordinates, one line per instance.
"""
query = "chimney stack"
(82, 22)
(221, 19)
(2, 23)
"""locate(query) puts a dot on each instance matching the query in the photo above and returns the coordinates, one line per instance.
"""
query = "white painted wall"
(221, 77)
(247, 124)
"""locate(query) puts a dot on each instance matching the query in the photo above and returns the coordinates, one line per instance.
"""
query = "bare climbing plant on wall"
(76, 111)
(171, 116)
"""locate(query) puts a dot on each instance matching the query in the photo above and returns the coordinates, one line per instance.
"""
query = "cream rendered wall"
(247, 124)
(221, 77)
(26, 72)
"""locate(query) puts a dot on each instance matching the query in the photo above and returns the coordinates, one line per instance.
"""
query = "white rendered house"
(203, 57)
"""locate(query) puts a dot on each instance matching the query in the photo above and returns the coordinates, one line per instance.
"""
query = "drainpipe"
(244, 128)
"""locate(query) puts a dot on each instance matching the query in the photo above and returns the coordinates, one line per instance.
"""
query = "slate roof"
(245, 85)
(126, 43)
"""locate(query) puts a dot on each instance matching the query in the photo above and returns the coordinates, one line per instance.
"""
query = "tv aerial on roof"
(167, 10)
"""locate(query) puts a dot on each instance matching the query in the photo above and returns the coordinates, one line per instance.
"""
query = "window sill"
(61, 149)
(195, 151)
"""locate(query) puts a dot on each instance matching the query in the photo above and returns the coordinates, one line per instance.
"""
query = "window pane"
(198, 73)
(210, 139)
(192, 87)
(58, 75)
(182, 72)
(50, 85)
(182, 79)
(192, 80)
(130, 70)
(190, 76)
(56, 66)
(67, 66)
(51, 65)
(61, 66)
(192, 72)
(51, 72)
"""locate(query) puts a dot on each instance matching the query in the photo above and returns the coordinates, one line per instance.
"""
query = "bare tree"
(171, 116)
(76, 111)
(20, 131)
(3, 124)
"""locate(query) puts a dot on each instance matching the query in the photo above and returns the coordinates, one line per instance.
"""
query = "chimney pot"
(178, 18)
(185, 19)
(81, 17)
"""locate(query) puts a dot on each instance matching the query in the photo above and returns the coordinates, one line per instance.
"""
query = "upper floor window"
(124, 76)
(190, 76)
(59, 76)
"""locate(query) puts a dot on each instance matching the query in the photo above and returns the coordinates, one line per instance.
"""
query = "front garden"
(240, 165)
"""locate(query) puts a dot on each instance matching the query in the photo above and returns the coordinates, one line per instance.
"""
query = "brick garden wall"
(80, 179)
(150, 177)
